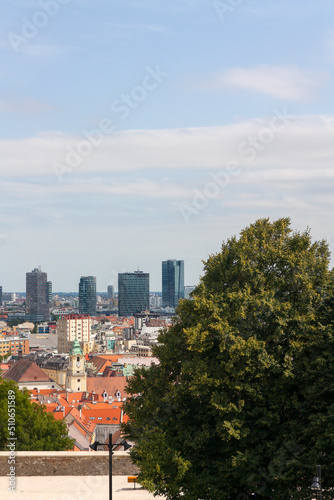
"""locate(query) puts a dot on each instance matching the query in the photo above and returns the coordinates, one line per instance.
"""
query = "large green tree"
(242, 401)
(34, 428)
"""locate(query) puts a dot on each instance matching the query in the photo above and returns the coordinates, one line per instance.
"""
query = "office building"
(37, 307)
(133, 293)
(87, 295)
(188, 290)
(110, 292)
(49, 292)
(8, 297)
(172, 282)
(0, 295)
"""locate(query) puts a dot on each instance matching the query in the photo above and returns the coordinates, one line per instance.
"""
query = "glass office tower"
(87, 295)
(172, 282)
(133, 293)
(110, 292)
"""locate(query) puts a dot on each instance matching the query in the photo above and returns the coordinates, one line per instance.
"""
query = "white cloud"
(132, 188)
(282, 82)
(303, 143)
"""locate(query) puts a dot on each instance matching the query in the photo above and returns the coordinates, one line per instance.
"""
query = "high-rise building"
(0, 295)
(49, 292)
(133, 293)
(87, 295)
(172, 282)
(37, 307)
(110, 292)
(188, 290)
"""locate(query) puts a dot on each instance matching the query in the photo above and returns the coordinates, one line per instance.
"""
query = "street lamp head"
(94, 445)
(316, 486)
(125, 444)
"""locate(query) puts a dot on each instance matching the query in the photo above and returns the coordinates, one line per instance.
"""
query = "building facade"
(87, 295)
(71, 327)
(37, 306)
(133, 293)
(172, 282)
(49, 292)
(13, 345)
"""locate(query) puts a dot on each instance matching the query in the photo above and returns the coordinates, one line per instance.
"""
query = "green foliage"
(242, 401)
(14, 322)
(35, 429)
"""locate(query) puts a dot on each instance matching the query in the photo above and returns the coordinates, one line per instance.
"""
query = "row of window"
(100, 418)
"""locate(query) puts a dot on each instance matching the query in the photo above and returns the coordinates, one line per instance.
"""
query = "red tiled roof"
(44, 392)
(26, 371)
(109, 384)
(81, 420)
(73, 397)
(58, 415)
(102, 405)
(111, 357)
(105, 416)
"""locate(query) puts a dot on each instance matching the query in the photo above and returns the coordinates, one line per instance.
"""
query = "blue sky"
(137, 131)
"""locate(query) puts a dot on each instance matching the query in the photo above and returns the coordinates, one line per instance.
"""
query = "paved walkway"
(72, 488)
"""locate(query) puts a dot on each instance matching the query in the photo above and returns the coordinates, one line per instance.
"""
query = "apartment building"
(72, 326)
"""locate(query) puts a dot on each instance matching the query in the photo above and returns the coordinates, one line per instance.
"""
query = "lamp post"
(316, 483)
(112, 446)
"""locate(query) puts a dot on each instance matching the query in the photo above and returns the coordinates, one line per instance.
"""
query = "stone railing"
(66, 463)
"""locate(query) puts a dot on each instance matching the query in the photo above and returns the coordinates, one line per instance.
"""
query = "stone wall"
(67, 463)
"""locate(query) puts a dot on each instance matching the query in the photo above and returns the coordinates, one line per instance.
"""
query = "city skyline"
(51, 289)
(174, 125)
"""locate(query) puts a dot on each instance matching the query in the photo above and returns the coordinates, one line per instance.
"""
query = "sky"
(135, 131)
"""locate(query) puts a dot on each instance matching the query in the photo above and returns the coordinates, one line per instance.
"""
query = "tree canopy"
(34, 428)
(242, 401)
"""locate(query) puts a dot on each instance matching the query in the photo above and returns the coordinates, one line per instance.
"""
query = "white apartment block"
(72, 326)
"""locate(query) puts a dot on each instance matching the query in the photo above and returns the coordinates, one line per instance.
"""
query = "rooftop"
(26, 371)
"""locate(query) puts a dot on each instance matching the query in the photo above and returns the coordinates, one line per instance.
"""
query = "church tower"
(76, 378)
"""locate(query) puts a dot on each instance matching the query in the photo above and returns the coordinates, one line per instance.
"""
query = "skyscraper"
(110, 292)
(87, 295)
(0, 295)
(172, 282)
(37, 307)
(49, 292)
(133, 293)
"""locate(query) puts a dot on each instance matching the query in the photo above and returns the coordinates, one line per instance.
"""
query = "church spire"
(76, 349)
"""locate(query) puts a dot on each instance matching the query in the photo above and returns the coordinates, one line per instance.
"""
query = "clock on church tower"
(76, 378)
